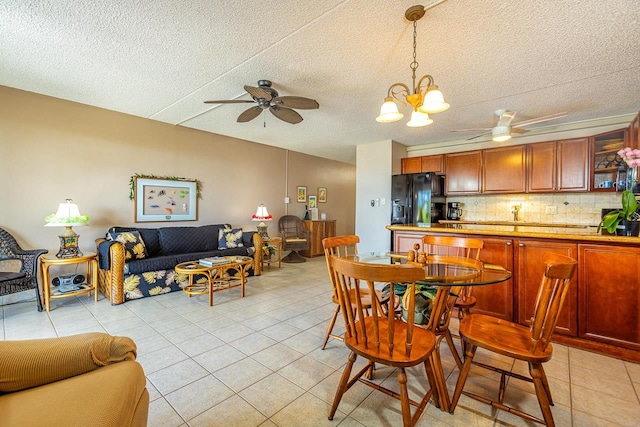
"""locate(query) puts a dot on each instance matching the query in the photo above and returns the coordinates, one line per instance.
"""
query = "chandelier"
(425, 98)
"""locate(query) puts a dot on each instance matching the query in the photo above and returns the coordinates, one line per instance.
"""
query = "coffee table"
(218, 277)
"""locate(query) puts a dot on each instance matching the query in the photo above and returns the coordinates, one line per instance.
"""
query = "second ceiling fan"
(503, 128)
(268, 98)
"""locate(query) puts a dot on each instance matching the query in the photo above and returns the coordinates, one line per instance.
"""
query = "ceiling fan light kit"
(425, 98)
(501, 133)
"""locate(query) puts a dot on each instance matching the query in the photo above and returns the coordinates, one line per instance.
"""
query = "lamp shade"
(501, 133)
(67, 215)
(419, 119)
(261, 214)
(433, 102)
(389, 112)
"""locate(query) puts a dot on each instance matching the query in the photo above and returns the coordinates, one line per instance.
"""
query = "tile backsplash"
(557, 208)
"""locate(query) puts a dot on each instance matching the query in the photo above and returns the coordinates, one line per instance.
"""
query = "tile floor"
(256, 361)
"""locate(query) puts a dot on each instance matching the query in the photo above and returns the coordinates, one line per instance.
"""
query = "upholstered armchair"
(295, 237)
(22, 265)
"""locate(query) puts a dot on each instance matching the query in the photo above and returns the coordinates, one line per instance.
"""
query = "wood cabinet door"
(411, 165)
(541, 164)
(464, 173)
(609, 289)
(529, 271)
(504, 170)
(496, 300)
(404, 241)
(433, 164)
(572, 165)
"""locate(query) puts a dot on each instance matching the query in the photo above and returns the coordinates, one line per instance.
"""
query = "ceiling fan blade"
(478, 136)
(471, 130)
(286, 114)
(298, 102)
(541, 119)
(518, 130)
(249, 114)
(505, 118)
(257, 92)
(230, 101)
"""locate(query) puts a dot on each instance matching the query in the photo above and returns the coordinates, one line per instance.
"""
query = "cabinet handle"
(521, 245)
(508, 243)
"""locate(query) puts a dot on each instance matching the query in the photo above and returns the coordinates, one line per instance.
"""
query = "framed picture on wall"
(313, 202)
(322, 195)
(302, 194)
(165, 200)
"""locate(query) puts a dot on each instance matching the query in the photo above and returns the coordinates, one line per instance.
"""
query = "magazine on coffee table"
(211, 261)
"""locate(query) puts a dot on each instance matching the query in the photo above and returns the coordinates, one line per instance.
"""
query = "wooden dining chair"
(379, 337)
(343, 246)
(459, 247)
(530, 344)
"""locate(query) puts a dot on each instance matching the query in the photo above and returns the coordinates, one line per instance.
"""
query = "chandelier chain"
(414, 64)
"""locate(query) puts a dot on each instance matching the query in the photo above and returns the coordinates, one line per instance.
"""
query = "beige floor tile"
(601, 382)
(242, 374)
(233, 412)
(160, 359)
(583, 419)
(271, 394)
(598, 363)
(161, 414)
(281, 331)
(277, 356)
(308, 411)
(306, 372)
(253, 343)
(219, 358)
(610, 408)
(200, 344)
(176, 376)
(198, 396)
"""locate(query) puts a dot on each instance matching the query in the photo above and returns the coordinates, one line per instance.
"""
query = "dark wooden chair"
(27, 276)
(295, 237)
(379, 337)
(459, 247)
(530, 344)
(342, 246)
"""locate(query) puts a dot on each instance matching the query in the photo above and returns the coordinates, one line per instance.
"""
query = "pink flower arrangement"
(631, 156)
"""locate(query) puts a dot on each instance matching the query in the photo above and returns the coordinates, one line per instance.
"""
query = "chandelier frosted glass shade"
(389, 112)
(419, 119)
(433, 102)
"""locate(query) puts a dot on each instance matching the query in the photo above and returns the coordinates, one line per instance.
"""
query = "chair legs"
(343, 386)
(332, 323)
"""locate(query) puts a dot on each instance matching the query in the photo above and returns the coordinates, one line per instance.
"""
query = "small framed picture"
(313, 202)
(322, 195)
(302, 194)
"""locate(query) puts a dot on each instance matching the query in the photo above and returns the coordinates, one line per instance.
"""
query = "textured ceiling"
(161, 59)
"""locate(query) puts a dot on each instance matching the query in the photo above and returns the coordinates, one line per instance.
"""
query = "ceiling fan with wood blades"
(503, 128)
(268, 98)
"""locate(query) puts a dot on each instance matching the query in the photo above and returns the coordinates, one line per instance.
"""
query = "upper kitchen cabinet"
(504, 170)
(433, 164)
(605, 159)
(558, 166)
(634, 133)
(464, 173)
(411, 165)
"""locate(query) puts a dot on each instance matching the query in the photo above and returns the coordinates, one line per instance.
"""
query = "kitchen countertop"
(548, 231)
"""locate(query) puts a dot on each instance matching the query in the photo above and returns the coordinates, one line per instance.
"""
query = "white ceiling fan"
(503, 128)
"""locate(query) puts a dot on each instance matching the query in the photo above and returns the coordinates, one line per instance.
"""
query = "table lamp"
(67, 216)
(262, 215)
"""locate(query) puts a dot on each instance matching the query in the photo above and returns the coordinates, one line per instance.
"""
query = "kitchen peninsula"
(602, 309)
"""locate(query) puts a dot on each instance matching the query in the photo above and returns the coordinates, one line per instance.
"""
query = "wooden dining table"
(449, 274)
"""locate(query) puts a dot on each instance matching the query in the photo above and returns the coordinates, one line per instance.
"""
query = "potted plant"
(425, 294)
(628, 215)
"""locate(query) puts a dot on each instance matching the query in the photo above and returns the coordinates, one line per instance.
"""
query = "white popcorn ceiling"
(161, 59)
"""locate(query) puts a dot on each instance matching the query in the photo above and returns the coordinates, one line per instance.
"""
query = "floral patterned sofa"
(139, 262)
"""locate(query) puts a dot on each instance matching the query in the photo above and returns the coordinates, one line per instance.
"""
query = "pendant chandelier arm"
(399, 89)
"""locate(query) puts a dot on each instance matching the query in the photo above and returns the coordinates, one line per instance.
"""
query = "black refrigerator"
(417, 198)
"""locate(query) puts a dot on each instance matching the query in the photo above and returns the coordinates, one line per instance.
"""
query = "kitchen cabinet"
(504, 170)
(496, 300)
(318, 230)
(464, 173)
(530, 268)
(433, 164)
(605, 160)
(609, 292)
(410, 165)
(558, 166)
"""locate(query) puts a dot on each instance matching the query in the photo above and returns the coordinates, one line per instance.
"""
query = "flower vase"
(631, 228)
(632, 180)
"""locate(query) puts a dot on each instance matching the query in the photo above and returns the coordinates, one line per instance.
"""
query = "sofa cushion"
(182, 240)
(168, 262)
(229, 238)
(150, 236)
(134, 247)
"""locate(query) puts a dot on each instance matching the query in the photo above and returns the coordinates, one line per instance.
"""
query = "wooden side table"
(277, 242)
(91, 276)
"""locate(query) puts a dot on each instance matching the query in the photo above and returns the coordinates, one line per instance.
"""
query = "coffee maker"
(454, 211)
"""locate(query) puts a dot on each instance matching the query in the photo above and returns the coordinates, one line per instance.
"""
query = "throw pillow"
(133, 244)
(230, 238)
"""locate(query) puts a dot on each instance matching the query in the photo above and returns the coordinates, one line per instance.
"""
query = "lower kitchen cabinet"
(529, 270)
(496, 300)
(610, 295)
